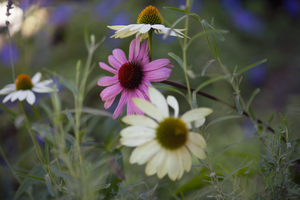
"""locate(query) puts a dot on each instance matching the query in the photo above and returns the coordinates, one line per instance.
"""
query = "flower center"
(150, 15)
(23, 82)
(172, 133)
(131, 75)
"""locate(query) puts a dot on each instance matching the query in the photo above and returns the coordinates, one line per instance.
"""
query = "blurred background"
(49, 34)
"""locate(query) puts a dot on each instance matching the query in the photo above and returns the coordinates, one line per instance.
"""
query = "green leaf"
(237, 104)
(171, 89)
(226, 148)
(69, 85)
(236, 170)
(49, 186)
(30, 179)
(71, 119)
(252, 96)
(250, 66)
(209, 82)
(209, 27)
(93, 111)
(222, 119)
(206, 32)
(102, 187)
(47, 156)
(195, 16)
(24, 155)
(177, 58)
(69, 193)
(206, 66)
(9, 111)
(251, 113)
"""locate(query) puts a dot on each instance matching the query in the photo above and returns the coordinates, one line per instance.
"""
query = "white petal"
(150, 153)
(8, 97)
(148, 108)
(116, 27)
(145, 28)
(30, 97)
(36, 78)
(196, 150)
(179, 156)
(163, 168)
(159, 101)
(16, 95)
(158, 26)
(186, 159)
(155, 162)
(44, 83)
(197, 139)
(42, 89)
(138, 131)
(198, 123)
(7, 89)
(136, 26)
(139, 152)
(140, 120)
(198, 113)
(174, 104)
(173, 165)
(22, 95)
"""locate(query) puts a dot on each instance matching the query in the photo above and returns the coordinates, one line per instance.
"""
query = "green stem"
(150, 44)
(11, 55)
(8, 164)
(37, 114)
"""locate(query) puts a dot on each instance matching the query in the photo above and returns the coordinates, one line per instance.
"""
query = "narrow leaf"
(9, 111)
(209, 82)
(49, 186)
(252, 96)
(70, 118)
(222, 119)
(29, 176)
(209, 27)
(171, 89)
(102, 187)
(93, 111)
(236, 170)
(226, 148)
(68, 193)
(237, 103)
(177, 58)
(47, 156)
(206, 66)
(250, 66)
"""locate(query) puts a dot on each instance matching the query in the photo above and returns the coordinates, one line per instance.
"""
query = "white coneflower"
(163, 143)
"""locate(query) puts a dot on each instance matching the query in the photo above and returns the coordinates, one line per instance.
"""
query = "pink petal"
(172, 66)
(107, 68)
(156, 64)
(107, 80)
(111, 92)
(120, 56)
(108, 103)
(113, 62)
(134, 49)
(130, 104)
(158, 75)
(122, 103)
(139, 94)
(144, 90)
(144, 50)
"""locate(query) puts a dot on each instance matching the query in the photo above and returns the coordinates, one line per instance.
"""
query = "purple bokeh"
(103, 9)
(61, 14)
(257, 75)
(5, 54)
(25, 4)
(292, 7)
(196, 7)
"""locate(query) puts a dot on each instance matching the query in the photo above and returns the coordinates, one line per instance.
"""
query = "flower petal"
(7, 90)
(120, 56)
(140, 120)
(139, 152)
(155, 162)
(111, 92)
(130, 105)
(153, 149)
(109, 102)
(162, 170)
(186, 159)
(113, 62)
(107, 80)
(180, 163)
(158, 26)
(159, 101)
(156, 64)
(173, 165)
(148, 109)
(196, 114)
(8, 97)
(16, 95)
(121, 105)
(197, 139)
(107, 68)
(198, 123)
(36, 78)
(196, 150)
(158, 75)
(22, 95)
(172, 101)
(136, 26)
(42, 89)
(134, 49)
(30, 97)
(145, 28)
(44, 83)
(116, 27)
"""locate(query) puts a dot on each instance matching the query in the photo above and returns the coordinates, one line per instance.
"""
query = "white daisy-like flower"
(24, 87)
(149, 19)
(164, 141)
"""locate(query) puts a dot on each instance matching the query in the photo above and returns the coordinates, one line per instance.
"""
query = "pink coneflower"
(132, 77)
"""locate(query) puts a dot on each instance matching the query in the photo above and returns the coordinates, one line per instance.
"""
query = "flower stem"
(150, 43)
(11, 55)
(8, 164)
(37, 114)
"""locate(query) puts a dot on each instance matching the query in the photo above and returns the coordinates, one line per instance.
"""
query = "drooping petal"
(145, 28)
(30, 98)
(42, 89)
(163, 169)
(134, 49)
(196, 150)
(148, 109)
(159, 101)
(130, 105)
(16, 95)
(158, 26)
(120, 56)
(155, 162)
(158, 75)
(137, 131)
(107, 80)
(44, 83)
(196, 114)
(36, 78)
(156, 64)
(186, 159)
(136, 93)
(180, 163)
(113, 62)
(121, 105)
(136, 26)
(198, 123)
(172, 101)
(22, 95)
(8, 97)
(140, 152)
(111, 91)
(197, 139)
(109, 102)
(107, 68)
(116, 27)
(172, 163)
(7, 90)
(140, 120)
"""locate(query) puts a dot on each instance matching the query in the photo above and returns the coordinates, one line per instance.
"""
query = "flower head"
(149, 19)
(132, 77)
(24, 87)
(163, 143)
